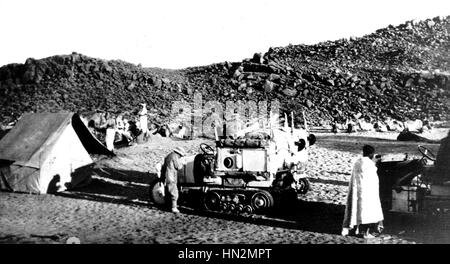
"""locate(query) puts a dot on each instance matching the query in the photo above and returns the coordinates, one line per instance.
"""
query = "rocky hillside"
(399, 72)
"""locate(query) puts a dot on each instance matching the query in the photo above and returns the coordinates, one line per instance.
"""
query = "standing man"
(110, 131)
(143, 120)
(363, 209)
(172, 163)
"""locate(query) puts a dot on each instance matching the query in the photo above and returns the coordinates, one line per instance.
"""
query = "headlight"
(228, 162)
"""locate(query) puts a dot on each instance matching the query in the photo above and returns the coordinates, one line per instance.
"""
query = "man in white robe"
(143, 121)
(110, 131)
(363, 209)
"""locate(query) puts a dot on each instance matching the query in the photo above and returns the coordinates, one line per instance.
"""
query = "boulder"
(268, 86)
(289, 92)
(257, 58)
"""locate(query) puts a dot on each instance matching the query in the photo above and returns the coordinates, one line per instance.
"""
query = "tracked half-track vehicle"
(246, 175)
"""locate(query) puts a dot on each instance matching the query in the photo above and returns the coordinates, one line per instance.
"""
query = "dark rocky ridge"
(399, 72)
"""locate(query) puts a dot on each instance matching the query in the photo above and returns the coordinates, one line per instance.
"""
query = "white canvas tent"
(42, 146)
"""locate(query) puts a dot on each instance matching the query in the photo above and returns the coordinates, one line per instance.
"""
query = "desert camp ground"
(113, 207)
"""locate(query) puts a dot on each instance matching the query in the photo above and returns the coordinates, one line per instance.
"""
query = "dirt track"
(114, 208)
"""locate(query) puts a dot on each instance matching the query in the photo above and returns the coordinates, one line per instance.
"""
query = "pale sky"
(176, 34)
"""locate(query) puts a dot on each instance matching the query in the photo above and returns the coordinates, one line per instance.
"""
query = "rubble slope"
(400, 72)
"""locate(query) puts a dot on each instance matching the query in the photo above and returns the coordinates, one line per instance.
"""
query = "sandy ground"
(115, 208)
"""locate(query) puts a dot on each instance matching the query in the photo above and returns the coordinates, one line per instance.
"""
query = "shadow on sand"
(302, 215)
(131, 188)
(333, 182)
(314, 216)
(114, 186)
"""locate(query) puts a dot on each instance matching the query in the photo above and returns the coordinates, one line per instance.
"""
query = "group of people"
(111, 124)
(126, 126)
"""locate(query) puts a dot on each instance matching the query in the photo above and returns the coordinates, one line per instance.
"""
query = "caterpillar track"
(237, 201)
(231, 200)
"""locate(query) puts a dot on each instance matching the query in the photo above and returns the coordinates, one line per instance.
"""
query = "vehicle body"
(418, 186)
(247, 174)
